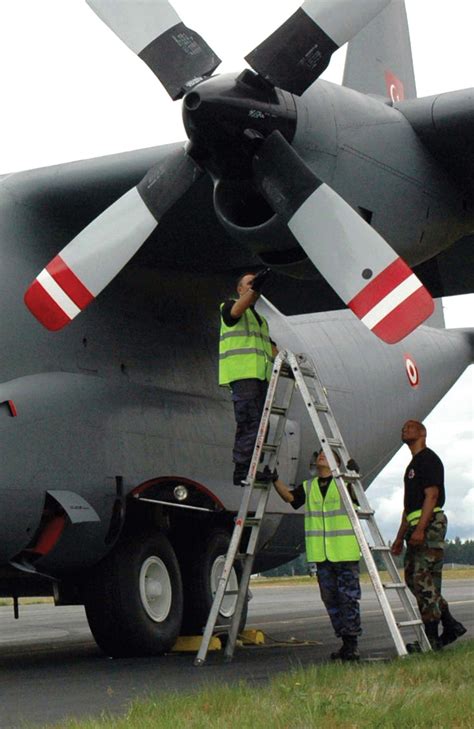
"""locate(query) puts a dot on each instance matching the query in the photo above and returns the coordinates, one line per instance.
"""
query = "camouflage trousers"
(340, 592)
(423, 569)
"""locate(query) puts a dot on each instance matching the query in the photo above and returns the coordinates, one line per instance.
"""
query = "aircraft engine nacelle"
(248, 218)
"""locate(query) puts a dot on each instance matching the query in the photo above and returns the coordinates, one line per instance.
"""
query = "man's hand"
(417, 538)
(397, 547)
(259, 280)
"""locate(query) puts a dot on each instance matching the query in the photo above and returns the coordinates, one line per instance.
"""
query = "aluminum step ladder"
(264, 459)
(299, 372)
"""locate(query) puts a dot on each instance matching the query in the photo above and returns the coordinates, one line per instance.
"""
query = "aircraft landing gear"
(201, 572)
(134, 600)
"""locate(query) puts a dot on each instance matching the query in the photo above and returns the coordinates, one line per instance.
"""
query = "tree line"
(456, 551)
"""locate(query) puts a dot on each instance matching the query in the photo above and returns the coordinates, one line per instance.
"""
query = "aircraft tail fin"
(379, 59)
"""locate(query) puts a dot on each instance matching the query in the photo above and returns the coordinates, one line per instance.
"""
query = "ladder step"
(409, 623)
(269, 448)
(394, 586)
(379, 548)
(334, 442)
(276, 410)
(321, 407)
(365, 514)
(252, 521)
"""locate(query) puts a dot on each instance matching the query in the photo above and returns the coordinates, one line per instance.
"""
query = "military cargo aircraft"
(116, 484)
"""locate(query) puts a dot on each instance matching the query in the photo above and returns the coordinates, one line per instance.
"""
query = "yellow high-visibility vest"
(245, 350)
(328, 530)
(414, 516)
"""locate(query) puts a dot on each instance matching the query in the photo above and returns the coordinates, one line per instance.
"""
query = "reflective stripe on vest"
(328, 530)
(245, 351)
(414, 516)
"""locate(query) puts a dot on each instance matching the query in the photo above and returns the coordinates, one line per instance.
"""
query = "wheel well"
(155, 504)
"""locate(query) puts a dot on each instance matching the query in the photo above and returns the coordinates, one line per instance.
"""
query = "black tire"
(134, 600)
(202, 567)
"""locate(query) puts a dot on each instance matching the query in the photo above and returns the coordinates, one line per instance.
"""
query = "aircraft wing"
(445, 124)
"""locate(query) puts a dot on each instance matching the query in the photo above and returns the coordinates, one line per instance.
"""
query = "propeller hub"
(226, 117)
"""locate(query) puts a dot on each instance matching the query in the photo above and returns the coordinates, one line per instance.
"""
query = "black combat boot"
(348, 651)
(452, 628)
(431, 630)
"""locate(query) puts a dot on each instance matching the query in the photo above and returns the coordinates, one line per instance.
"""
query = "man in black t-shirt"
(424, 527)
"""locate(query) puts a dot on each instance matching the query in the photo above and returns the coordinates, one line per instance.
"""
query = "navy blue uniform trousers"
(248, 397)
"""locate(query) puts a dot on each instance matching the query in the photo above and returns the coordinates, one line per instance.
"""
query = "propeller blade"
(355, 260)
(153, 30)
(297, 53)
(94, 257)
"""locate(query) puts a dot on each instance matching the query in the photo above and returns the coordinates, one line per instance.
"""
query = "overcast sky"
(71, 90)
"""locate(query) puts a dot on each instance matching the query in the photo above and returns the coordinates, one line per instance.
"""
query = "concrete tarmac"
(51, 668)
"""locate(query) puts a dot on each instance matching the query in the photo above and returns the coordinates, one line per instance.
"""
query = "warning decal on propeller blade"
(394, 303)
(57, 295)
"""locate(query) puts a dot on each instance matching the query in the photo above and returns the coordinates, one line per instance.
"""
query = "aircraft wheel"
(134, 601)
(200, 579)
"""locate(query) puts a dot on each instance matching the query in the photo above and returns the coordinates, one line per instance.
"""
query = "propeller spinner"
(252, 119)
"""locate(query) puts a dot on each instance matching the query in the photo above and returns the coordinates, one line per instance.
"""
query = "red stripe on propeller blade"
(379, 287)
(44, 308)
(405, 317)
(69, 282)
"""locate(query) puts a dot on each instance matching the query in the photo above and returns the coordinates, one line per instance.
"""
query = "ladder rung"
(276, 410)
(334, 442)
(321, 407)
(269, 448)
(409, 623)
(394, 586)
(365, 514)
(252, 521)
(379, 548)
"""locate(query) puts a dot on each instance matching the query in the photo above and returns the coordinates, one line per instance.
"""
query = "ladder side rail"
(262, 429)
(260, 511)
(242, 514)
(224, 578)
(403, 593)
(371, 566)
(241, 597)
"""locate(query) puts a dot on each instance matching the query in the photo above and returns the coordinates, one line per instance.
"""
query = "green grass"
(420, 692)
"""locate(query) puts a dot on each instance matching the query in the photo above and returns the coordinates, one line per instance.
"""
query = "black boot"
(431, 630)
(348, 651)
(240, 473)
(452, 628)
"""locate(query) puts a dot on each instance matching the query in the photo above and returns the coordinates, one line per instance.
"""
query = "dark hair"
(243, 275)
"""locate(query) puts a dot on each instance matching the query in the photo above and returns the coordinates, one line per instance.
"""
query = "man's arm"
(429, 503)
(283, 491)
(397, 545)
(248, 299)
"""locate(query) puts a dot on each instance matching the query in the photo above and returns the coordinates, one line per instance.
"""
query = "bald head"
(414, 435)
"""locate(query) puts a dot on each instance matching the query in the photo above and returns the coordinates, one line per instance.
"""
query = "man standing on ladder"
(332, 551)
(245, 361)
(424, 526)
